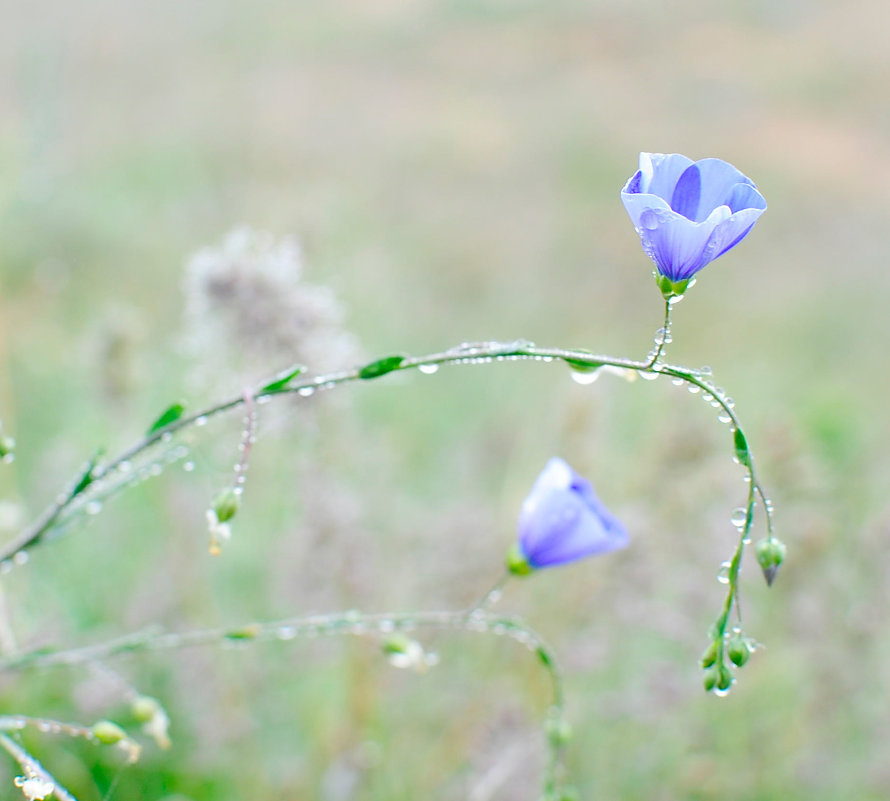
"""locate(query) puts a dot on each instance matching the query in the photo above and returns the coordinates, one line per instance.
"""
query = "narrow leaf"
(86, 477)
(282, 379)
(170, 415)
(741, 448)
(381, 367)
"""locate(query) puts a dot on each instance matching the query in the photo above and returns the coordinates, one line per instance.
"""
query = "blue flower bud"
(563, 520)
(689, 213)
(770, 555)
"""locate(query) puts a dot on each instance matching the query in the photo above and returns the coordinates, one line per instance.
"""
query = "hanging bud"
(559, 731)
(108, 733)
(739, 650)
(225, 506)
(709, 657)
(770, 555)
(7, 446)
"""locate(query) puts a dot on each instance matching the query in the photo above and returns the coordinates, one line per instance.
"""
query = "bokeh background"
(447, 171)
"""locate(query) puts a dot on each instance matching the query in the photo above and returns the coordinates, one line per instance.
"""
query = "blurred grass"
(452, 170)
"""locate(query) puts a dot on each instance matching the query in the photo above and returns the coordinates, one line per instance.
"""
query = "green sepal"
(170, 415)
(517, 563)
(381, 367)
(770, 555)
(281, 380)
(672, 289)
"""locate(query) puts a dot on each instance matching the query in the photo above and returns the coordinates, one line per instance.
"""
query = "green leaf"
(741, 448)
(381, 367)
(170, 415)
(282, 379)
(86, 477)
(583, 366)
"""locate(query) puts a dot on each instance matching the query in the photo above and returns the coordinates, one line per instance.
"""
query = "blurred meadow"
(450, 172)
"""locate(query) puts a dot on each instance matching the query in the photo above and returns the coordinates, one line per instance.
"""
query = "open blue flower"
(562, 520)
(688, 213)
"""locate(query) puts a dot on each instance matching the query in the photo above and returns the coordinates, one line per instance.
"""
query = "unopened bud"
(770, 555)
(144, 708)
(7, 445)
(559, 731)
(108, 733)
(225, 506)
(709, 657)
(739, 650)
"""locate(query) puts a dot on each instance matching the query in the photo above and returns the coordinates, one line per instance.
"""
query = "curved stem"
(467, 353)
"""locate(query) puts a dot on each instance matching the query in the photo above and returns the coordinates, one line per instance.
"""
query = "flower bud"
(770, 555)
(7, 446)
(144, 708)
(709, 657)
(739, 650)
(108, 733)
(559, 731)
(225, 506)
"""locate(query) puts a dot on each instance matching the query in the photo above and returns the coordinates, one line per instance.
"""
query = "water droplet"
(93, 507)
(188, 467)
(739, 516)
(201, 421)
(386, 626)
(649, 220)
(9, 458)
(677, 382)
(585, 377)
(306, 391)
(5, 566)
(723, 573)
(724, 418)
(125, 467)
(286, 632)
(20, 558)
(166, 437)
(428, 369)
(262, 400)
(723, 693)
(693, 389)
(648, 376)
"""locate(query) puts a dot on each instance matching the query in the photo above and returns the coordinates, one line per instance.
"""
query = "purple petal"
(732, 231)
(663, 173)
(686, 197)
(678, 245)
(718, 180)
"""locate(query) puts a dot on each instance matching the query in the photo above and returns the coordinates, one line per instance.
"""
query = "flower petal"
(732, 231)
(661, 173)
(718, 179)
(677, 245)
(686, 197)
(638, 204)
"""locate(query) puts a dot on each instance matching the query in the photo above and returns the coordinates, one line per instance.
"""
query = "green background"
(452, 171)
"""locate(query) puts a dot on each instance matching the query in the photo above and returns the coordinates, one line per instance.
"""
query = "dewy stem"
(664, 336)
(467, 353)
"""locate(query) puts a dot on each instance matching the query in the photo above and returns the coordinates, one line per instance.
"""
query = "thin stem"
(32, 769)
(664, 336)
(468, 353)
(491, 597)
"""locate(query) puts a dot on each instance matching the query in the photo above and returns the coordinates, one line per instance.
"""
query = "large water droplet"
(723, 573)
(201, 421)
(93, 507)
(585, 377)
(429, 369)
(649, 220)
(306, 391)
(739, 516)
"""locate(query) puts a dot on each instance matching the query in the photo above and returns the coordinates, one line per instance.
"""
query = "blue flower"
(688, 213)
(562, 520)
